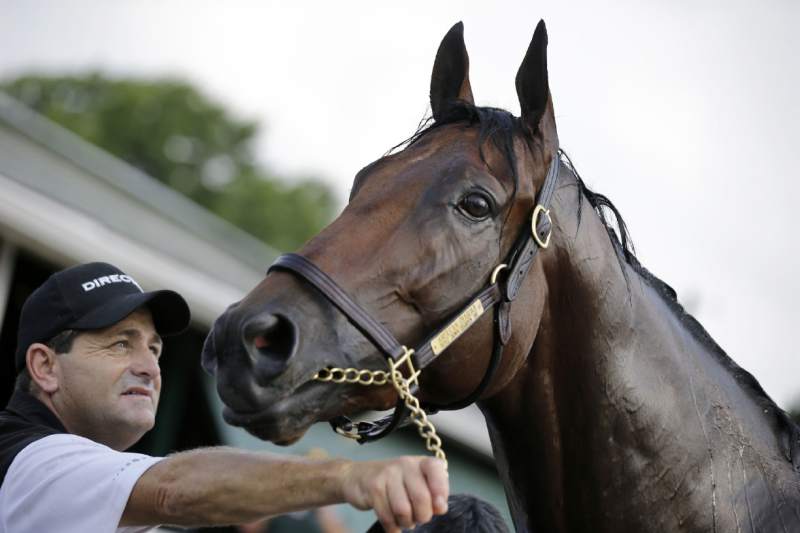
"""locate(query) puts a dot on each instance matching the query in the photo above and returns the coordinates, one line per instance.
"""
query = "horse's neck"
(622, 419)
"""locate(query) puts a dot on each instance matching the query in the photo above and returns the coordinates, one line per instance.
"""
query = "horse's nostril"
(260, 342)
(270, 339)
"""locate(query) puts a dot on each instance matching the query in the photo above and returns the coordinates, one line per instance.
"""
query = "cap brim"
(170, 312)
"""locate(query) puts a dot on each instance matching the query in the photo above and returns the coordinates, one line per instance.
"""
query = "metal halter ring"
(499, 268)
(538, 210)
(351, 432)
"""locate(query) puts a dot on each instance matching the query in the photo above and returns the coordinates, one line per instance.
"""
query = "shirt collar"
(27, 406)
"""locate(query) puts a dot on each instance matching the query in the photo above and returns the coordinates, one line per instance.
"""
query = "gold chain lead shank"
(401, 384)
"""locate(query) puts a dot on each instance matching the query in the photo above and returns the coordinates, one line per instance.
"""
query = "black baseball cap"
(93, 296)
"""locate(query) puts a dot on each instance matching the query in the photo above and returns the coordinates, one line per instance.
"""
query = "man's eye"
(120, 345)
(476, 205)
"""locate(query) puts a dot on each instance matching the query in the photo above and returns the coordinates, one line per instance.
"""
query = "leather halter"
(498, 294)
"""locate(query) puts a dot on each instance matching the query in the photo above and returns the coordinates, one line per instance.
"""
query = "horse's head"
(423, 231)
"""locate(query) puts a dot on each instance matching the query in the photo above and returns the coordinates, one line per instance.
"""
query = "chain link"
(401, 384)
(352, 376)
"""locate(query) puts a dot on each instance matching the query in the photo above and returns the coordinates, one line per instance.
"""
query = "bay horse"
(609, 407)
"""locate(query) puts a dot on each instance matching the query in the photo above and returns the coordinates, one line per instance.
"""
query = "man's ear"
(42, 365)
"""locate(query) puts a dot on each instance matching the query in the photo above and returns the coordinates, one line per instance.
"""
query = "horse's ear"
(450, 77)
(533, 89)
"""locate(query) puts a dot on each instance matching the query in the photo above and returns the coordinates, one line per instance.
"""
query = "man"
(87, 355)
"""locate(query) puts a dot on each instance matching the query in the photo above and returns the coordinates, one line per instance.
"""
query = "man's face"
(109, 382)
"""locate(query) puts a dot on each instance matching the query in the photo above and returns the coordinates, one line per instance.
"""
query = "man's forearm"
(218, 486)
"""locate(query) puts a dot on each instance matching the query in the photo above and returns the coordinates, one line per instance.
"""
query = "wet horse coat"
(611, 410)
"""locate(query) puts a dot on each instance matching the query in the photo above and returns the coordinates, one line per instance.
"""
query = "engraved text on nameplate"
(458, 326)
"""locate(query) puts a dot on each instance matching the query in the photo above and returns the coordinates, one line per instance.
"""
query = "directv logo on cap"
(106, 280)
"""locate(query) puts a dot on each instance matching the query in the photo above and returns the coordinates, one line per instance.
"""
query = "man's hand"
(403, 491)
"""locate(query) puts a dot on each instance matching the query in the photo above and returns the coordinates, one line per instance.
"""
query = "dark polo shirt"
(24, 420)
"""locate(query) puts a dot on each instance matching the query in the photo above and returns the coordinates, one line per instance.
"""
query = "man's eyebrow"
(136, 334)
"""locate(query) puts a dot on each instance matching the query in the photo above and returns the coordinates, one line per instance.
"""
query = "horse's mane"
(499, 126)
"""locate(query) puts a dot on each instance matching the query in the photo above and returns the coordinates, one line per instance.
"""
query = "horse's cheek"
(526, 315)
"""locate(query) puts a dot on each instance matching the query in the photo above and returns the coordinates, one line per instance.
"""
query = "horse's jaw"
(283, 413)
(283, 419)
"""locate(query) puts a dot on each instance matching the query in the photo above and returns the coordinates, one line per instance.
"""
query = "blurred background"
(191, 142)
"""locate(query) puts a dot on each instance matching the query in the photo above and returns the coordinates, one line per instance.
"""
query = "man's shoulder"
(16, 433)
(87, 482)
(65, 443)
(64, 460)
(54, 451)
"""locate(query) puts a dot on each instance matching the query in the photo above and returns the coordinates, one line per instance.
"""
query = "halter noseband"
(498, 294)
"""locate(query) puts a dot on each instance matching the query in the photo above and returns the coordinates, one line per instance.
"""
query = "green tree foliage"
(171, 131)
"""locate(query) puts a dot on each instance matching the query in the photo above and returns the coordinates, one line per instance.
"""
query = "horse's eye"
(475, 205)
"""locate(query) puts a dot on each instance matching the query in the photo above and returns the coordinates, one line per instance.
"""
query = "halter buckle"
(537, 212)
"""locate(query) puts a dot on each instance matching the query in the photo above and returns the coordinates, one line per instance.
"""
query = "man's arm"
(221, 486)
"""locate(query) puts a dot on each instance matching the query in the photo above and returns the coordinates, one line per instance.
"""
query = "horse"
(608, 406)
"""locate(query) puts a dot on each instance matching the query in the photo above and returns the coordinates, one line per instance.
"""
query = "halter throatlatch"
(405, 365)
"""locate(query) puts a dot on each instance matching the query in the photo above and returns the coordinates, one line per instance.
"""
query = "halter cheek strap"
(376, 332)
(499, 294)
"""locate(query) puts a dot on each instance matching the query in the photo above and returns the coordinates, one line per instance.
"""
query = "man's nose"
(145, 364)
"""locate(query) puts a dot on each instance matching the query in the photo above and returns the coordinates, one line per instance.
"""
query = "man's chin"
(139, 422)
(125, 433)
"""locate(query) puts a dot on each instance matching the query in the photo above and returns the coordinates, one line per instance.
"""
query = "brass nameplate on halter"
(458, 326)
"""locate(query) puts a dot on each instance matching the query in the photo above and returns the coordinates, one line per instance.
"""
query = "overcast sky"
(685, 113)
